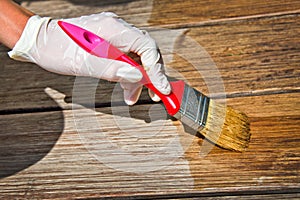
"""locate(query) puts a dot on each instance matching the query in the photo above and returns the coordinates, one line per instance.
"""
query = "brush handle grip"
(97, 46)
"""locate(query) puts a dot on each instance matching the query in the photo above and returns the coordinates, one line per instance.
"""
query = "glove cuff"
(21, 50)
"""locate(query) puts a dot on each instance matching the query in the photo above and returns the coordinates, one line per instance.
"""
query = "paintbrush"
(220, 124)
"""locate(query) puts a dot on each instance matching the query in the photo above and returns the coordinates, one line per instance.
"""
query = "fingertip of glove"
(129, 102)
(155, 98)
(131, 99)
(132, 92)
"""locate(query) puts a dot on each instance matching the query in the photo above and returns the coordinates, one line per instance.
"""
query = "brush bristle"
(226, 127)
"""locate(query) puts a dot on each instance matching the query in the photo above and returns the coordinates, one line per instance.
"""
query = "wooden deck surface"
(50, 151)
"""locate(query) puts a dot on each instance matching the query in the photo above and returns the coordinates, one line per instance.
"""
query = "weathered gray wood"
(64, 160)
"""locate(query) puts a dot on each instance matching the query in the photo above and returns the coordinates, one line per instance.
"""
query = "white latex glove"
(43, 42)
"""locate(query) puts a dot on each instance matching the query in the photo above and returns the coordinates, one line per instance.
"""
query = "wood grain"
(250, 57)
(162, 12)
(51, 148)
(75, 160)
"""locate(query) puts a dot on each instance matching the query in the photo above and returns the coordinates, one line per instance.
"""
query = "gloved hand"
(44, 43)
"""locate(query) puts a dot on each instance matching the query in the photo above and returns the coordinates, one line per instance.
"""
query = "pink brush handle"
(99, 47)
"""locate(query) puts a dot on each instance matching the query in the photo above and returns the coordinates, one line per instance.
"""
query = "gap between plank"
(241, 193)
(262, 92)
(143, 102)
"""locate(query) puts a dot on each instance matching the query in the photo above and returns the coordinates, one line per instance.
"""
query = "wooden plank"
(135, 152)
(159, 13)
(64, 160)
(249, 55)
(259, 56)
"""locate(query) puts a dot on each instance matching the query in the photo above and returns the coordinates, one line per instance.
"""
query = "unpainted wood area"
(55, 145)
(86, 159)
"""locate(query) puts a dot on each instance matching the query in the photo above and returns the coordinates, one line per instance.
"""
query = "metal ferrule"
(194, 108)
